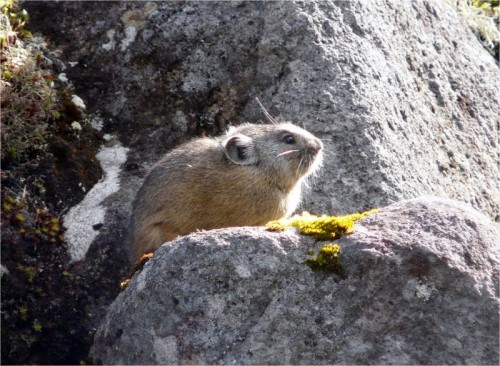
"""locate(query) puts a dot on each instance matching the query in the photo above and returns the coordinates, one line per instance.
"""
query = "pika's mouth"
(311, 160)
(304, 161)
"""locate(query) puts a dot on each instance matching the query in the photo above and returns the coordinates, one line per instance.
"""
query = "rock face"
(402, 94)
(402, 112)
(420, 288)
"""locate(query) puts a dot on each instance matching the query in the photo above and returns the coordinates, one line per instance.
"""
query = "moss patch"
(137, 268)
(28, 97)
(322, 228)
(482, 17)
(327, 260)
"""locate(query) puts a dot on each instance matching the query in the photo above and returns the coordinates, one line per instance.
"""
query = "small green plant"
(16, 17)
(20, 217)
(23, 312)
(29, 272)
(37, 327)
(482, 17)
(28, 99)
(29, 339)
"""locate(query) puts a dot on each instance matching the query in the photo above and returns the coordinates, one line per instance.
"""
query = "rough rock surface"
(421, 288)
(402, 112)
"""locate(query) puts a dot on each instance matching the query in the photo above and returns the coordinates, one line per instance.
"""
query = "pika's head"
(284, 151)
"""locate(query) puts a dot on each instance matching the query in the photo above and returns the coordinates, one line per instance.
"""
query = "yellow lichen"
(137, 267)
(20, 217)
(37, 326)
(327, 260)
(320, 227)
(275, 225)
(124, 283)
(23, 312)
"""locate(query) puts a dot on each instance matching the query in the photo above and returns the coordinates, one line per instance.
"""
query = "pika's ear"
(240, 150)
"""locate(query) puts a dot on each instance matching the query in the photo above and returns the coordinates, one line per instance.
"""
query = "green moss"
(489, 6)
(29, 272)
(23, 312)
(482, 18)
(275, 225)
(319, 227)
(327, 260)
(20, 217)
(17, 17)
(37, 326)
(325, 228)
(29, 98)
(137, 267)
(322, 228)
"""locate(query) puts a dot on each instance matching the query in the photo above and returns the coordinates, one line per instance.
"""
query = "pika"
(249, 176)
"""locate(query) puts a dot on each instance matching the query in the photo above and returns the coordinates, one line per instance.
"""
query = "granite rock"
(420, 287)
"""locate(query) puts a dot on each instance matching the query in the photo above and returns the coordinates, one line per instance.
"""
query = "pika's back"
(250, 175)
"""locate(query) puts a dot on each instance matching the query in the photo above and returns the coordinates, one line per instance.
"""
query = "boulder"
(402, 93)
(420, 286)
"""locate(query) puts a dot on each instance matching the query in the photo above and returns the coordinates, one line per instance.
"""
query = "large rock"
(402, 92)
(421, 287)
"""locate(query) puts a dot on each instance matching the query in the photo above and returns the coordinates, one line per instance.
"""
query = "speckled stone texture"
(421, 287)
(402, 93)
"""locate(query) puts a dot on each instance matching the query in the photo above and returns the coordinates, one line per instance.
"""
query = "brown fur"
(237, 179)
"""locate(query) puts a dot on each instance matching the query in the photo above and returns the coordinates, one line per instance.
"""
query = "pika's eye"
(289, 139)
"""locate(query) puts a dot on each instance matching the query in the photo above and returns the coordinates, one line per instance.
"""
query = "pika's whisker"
(286, 153)
(266, 113)
(299, 169)
(327, 153)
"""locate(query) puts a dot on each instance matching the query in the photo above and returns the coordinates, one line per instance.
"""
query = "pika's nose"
(315, 145)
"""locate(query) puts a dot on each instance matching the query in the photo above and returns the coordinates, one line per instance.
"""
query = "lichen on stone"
(322, 228)
(482, 18)
(319, 227)
(137, 268)
(327, 260)
(275, 225)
